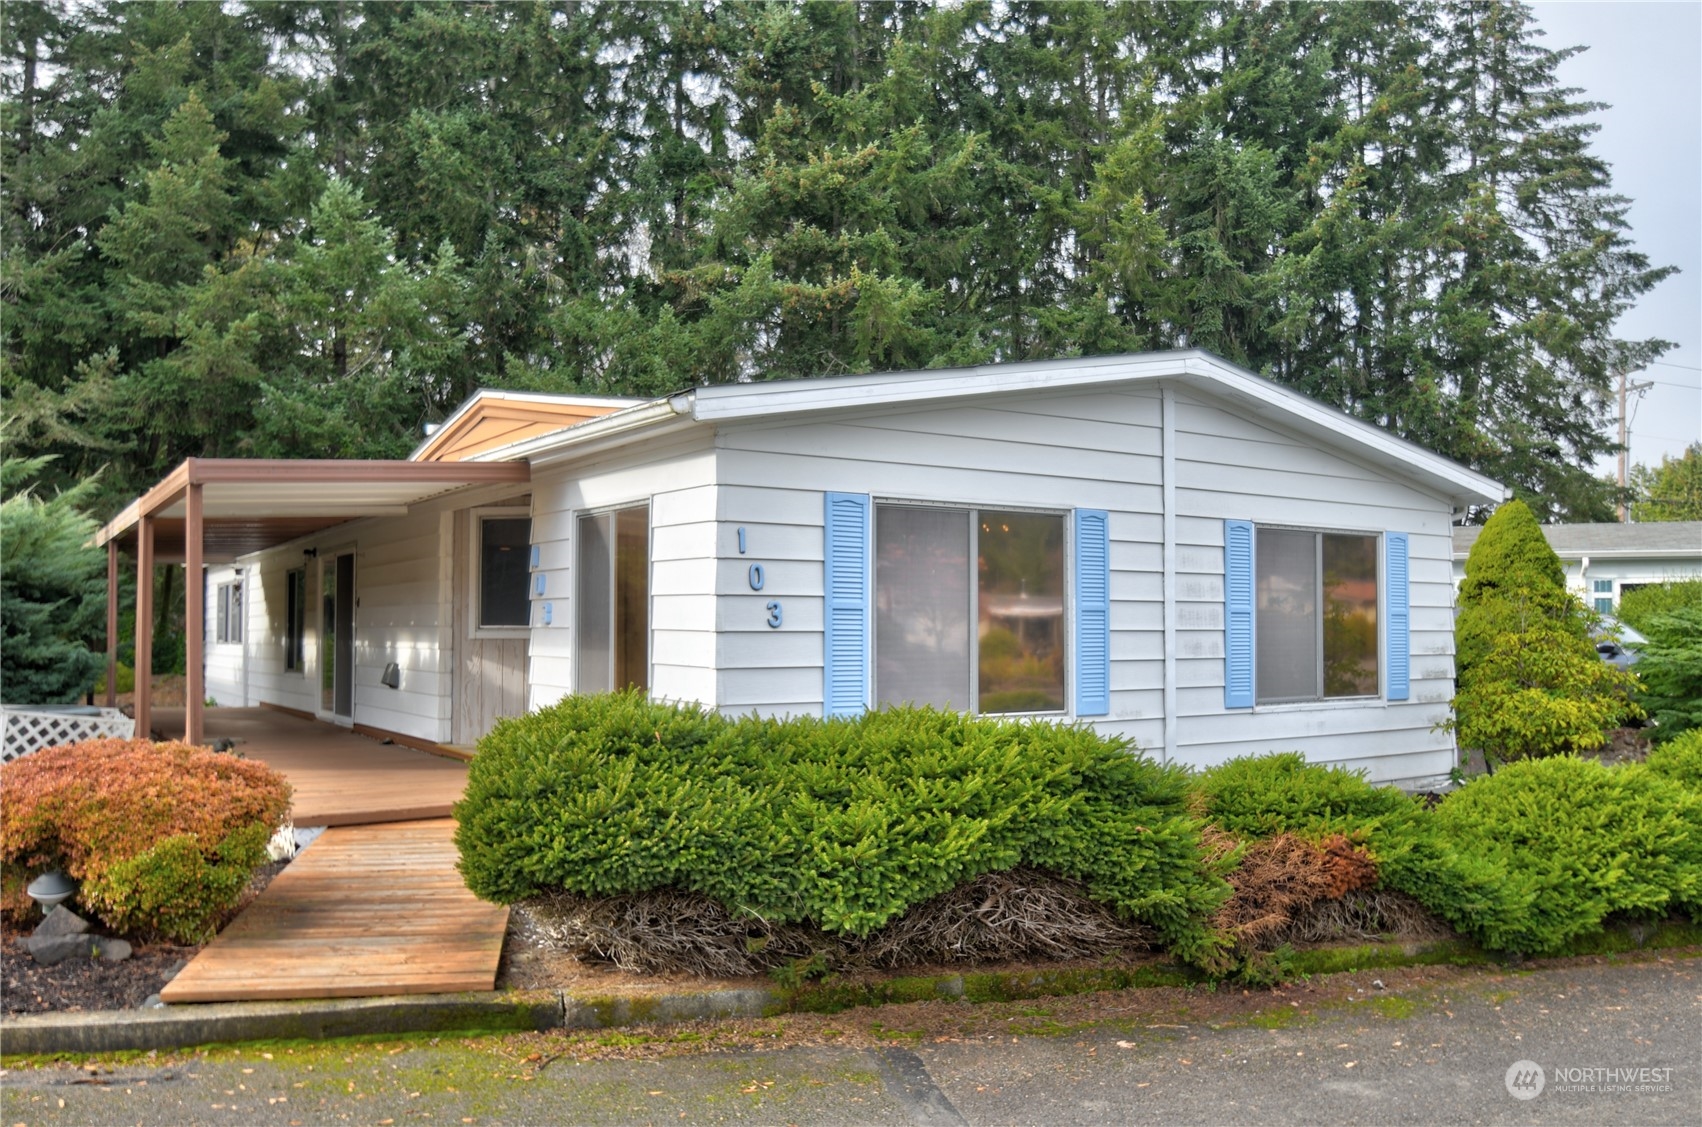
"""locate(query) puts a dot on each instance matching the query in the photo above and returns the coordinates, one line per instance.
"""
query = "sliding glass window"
(969, 609)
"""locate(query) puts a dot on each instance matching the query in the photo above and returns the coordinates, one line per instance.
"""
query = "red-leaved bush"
(162, 836)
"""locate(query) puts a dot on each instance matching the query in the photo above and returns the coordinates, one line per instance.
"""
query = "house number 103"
(757, 577)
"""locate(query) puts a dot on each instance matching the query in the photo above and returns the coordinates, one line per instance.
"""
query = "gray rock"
(112, 950)
(61, 921)
(152, 1002)
(51, 950)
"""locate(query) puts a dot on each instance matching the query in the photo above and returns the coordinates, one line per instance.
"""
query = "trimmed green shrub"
(1671, 671)
(1530, 683)
(1679, 759)
(1541, 692)
(842, 823)
(1577, 842)
(1639, 604)
(163, 837)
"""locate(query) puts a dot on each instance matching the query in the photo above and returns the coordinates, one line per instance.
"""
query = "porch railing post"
(144, 625)
(194, 615)
(112, 623)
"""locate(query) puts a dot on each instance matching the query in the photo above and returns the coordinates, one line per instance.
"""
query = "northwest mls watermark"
(1526, 1080)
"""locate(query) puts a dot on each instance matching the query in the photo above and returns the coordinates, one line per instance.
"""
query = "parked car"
(1617, 642)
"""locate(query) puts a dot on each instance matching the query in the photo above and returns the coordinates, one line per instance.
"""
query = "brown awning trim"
(250, 504)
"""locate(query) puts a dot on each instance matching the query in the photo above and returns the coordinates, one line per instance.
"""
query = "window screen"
(1316, 610)
(921, 606)
(504, 544)
(951, 583)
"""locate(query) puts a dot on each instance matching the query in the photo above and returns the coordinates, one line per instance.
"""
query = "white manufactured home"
(1162, 546)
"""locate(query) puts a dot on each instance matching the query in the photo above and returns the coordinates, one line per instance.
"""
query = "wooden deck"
(361, 912)
(339, 778)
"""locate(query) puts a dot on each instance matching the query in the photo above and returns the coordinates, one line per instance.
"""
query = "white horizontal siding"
(1231, 466)
(677, 481)
(1058, 452)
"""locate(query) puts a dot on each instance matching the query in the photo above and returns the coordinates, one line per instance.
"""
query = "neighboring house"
(1603, 561)
(1162, 546)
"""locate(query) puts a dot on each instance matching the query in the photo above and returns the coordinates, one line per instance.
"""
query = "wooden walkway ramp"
(339, 778)
(362, 911)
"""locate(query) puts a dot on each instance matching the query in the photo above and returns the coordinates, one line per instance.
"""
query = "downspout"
(1168, 456)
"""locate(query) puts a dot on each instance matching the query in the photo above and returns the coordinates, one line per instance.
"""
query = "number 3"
(774, 616)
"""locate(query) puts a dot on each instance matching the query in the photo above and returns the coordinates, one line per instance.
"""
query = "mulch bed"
(80, 985)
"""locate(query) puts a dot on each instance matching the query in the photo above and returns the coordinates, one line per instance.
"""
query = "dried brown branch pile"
(1019, 914)
(1367, 913)
(1280, 877)
(667, 931)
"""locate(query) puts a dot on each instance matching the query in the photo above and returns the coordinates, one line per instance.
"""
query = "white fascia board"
(757, 400)
(485, 393)
(728, 402)
(1259, 395)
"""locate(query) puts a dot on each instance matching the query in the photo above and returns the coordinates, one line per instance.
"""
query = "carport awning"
(248, 505)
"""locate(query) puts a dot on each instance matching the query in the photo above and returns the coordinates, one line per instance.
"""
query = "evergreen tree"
(1530, 682)
(1671, 490)
(52, 592)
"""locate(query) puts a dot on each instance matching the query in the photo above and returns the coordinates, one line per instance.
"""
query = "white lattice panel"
(28, 731)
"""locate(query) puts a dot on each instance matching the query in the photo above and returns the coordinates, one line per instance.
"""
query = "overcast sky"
(1645, 61)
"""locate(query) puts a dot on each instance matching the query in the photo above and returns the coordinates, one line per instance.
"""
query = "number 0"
(756, 577)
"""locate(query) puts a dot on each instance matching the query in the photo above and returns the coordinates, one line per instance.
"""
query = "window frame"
(227, 613)
(648, 506)
(972, 509)
(476, 567)
(1380, 549)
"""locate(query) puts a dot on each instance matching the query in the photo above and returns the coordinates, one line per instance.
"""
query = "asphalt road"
(1436, 1054)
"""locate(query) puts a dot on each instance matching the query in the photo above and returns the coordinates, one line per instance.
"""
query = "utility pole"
(1626, 387)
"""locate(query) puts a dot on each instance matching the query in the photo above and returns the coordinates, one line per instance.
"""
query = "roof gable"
(492, 418)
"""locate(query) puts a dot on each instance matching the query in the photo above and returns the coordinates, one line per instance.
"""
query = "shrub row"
(846, 825)
(1527, 860)
(842, 823)
(163, 837)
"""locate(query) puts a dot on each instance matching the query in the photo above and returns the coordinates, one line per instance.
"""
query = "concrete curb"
(173, 1027)
(180, 1026)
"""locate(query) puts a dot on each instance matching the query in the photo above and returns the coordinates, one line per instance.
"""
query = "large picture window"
(969, 609)
(612, 597)
(1316, 608)
(504, 545)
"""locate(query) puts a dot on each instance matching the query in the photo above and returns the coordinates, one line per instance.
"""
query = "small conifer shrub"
(162, 837)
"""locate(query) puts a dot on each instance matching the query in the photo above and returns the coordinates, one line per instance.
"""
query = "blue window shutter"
(1093, 612)
(1237, 614)
(1399, 631)
(845, 620)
